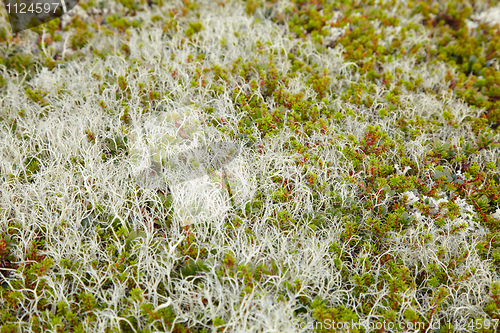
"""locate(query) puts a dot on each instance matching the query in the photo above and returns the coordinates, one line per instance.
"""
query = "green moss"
(329, 316)
(193, 28)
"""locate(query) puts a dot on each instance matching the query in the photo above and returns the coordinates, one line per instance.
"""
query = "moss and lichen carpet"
(362, 193)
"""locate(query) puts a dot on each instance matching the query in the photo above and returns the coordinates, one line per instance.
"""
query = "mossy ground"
(366, 191)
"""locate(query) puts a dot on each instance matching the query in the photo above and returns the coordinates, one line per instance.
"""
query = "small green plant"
(194, 28)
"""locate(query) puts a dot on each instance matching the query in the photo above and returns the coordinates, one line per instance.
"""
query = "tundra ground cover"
(365, 189)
